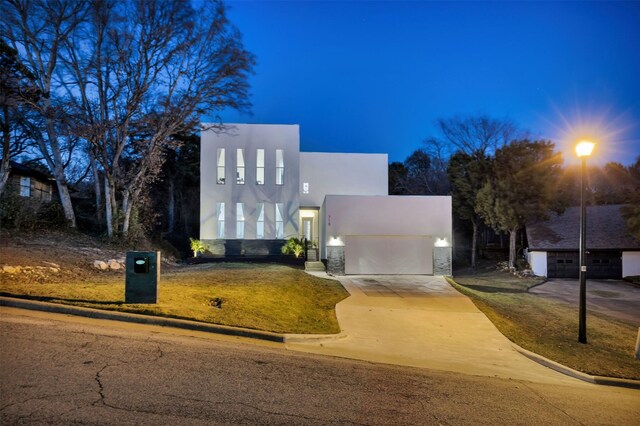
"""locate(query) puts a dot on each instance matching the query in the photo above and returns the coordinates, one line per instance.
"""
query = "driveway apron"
(421, 321)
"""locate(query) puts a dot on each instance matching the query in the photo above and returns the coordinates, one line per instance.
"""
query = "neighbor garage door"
(388, 254)
(600, 264)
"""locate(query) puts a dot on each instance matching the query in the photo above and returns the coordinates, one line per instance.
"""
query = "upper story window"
(260, 166)
(220, 169)
(260, 221)
(220, 217)
(240, 166)
(240, 220)
(25, 186)
(279, 167)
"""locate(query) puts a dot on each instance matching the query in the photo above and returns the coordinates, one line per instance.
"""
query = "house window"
(240, 220)
(305, 188)
(279, 167)
(25, 186)
(240, 166)
(220, 163)
(220, 216)
(260, 167)
(279, 221)
(260, 221)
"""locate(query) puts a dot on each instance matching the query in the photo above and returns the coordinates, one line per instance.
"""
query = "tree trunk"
(96, 185)
(513, 234)
(126, 209)
(474, 241)
(172, 207)
(56, 164)
(108, 206)
(5, 167)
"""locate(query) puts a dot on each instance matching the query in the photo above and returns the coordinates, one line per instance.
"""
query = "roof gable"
(606, 229)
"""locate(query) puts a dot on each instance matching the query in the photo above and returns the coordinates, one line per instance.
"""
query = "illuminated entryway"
(309, 224)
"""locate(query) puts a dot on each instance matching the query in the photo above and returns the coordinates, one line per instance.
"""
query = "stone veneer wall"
(218, 248)
(442, 261)
(335, 260)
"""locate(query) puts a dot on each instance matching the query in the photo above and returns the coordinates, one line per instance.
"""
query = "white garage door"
(388, 254)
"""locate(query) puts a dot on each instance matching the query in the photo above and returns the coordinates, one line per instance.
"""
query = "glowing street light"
(584, 150)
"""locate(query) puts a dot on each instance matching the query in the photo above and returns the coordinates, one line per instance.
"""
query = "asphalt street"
(59, 369)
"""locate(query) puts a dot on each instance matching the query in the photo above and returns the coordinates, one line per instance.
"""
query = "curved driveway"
(421, 321)
(614, 298)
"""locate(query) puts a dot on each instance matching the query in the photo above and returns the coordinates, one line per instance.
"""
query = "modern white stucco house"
(257, 189)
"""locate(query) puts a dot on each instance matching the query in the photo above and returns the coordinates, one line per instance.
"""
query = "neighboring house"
(258, 189)
(30, 183)
(612, 252)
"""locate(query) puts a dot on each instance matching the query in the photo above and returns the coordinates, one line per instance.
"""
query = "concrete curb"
(313, 338)
(140, 319)
(597, 380)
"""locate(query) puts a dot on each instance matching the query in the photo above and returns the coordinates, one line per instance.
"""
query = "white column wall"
(388, 215)
(250, 137)
(538, 262)
(630, 263)
(342, 174)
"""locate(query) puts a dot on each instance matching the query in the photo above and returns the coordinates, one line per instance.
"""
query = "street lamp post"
(583, 149)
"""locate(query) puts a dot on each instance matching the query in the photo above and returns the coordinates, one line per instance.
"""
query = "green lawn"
(263, 297)
(550, 328)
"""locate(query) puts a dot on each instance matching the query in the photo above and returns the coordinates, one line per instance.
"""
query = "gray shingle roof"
(606, 229)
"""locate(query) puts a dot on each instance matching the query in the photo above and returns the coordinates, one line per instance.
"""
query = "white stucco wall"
(342, 174)
(630, 263)
(538, 262)
(250, 137)
(386, 215)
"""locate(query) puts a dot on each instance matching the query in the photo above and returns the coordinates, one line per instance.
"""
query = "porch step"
(313, 266)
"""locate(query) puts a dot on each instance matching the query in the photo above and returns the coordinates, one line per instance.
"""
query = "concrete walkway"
(421, 321)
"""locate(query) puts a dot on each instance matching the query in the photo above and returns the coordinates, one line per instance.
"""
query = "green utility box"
(142, 277)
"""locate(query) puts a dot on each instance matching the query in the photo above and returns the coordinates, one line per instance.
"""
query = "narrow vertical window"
(239, 221)
(260, 167)
(220, 216)
(220, 163)
(260, 221)
(279, 221)
(25, 186)
(240, 166)
(279, 167)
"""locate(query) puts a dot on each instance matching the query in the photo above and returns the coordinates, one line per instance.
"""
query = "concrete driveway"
(614, 298)
(421, 321)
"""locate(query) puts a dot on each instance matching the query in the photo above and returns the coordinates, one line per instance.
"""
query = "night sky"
(374, 76)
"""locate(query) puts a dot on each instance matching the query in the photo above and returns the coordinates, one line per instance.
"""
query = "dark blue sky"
(373, 76)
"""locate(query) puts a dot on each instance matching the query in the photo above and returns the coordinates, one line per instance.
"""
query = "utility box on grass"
(142, 277)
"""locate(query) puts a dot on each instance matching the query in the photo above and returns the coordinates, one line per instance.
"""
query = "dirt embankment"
(51, 257)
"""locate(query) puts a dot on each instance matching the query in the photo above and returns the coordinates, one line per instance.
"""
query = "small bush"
(293, 246)
(197, 246)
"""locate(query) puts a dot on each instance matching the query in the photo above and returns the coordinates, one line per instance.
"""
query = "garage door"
(563, 264)
(392, 255)
(600, 264)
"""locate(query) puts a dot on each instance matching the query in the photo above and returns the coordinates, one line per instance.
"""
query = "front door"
(307, 228)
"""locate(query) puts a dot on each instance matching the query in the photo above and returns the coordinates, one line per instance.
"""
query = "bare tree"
(37, 29)
(477, 135)
(16, 86)
(143, 72)
(472, 140)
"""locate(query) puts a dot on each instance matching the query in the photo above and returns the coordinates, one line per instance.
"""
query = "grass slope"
(264, 297)
(550, 328)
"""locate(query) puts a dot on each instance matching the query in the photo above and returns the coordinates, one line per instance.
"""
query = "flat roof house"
(258, 189)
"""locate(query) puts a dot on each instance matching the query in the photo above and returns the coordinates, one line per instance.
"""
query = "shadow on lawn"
(491, 289)
(62, 299)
